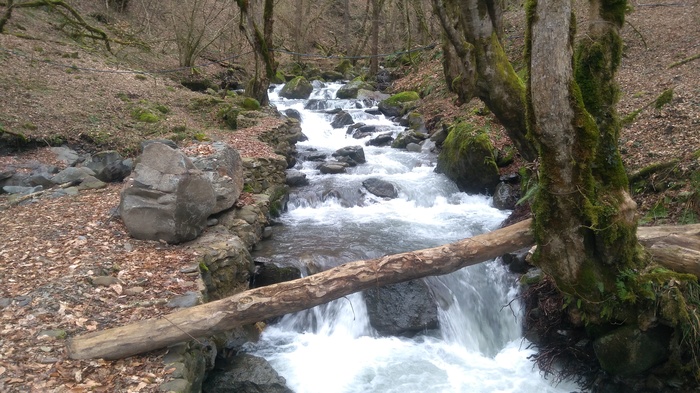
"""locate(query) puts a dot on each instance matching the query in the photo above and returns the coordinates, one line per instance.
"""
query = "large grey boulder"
(246, 374)
(224, 169)
(166, 198)
(628, 351)
(401, 309)
(350, 89)
(353, 155)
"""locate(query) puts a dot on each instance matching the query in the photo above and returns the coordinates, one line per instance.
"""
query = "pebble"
(104, 281)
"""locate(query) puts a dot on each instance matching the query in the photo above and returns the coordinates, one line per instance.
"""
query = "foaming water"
(333, 348)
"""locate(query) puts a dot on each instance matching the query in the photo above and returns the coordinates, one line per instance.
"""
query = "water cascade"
(332, 348)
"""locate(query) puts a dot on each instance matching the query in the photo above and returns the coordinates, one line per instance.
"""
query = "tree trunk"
(584, 219)
(374, 60)
(478, 25)
(261, 41)
(266, 302)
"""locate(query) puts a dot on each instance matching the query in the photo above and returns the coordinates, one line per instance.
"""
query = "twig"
(646, 47)
(686, 60)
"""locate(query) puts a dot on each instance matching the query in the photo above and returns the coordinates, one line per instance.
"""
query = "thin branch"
(686, 60)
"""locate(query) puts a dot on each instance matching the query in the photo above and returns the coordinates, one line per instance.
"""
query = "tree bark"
(478, 26)
(266, 302)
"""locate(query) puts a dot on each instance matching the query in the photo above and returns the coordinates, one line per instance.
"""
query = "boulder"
(628, 351)
(166, 142)
(467, 158)
(407, 137)
(401, 309)
(108, 166)
(316, 105)
(505, 196)
(381, 188)
(166, 198)
(350, 89)
(293, 113)
(342, 119)
(399, 104)
(246, 374)
(381, 140)
(333, 167)
(355, 153)
(414, 147)
(224, 169)
(67, 155)
(296, 178)
(72, 174)
(267, 273)
(297, 88)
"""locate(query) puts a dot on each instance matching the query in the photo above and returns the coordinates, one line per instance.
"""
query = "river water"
(332, 348)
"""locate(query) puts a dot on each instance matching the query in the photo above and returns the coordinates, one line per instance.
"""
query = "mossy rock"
(248, 103)
(297, 88)
(468, 159)
(229, 115)
(628, 351)
(350, 89)
(278, 79)
(399, 104)
(344, 67)
(145, 115)
(332, 76)
(204, 102)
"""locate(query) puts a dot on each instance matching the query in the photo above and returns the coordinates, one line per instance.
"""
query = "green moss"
(140, 77)
(405, 96)
(204, 102)
(229, 115)
(614, 11)
(144, 115)
(664, 98)
(249, 103)
(162, 109)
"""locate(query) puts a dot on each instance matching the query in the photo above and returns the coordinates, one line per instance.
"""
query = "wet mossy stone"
(350, 89)
(628, 351)
(399, 104)
(297, 88)
(468, 159)
(249, 104)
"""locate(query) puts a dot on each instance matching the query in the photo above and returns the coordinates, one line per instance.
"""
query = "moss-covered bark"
(472, 28)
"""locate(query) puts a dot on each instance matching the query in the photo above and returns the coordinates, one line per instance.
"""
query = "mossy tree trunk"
(473, 29)
(584, 219)
(261, 41)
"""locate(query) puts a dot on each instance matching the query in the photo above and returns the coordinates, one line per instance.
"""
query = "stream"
(333, 348)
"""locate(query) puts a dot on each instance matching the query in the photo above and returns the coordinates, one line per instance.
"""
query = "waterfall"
(333, 348)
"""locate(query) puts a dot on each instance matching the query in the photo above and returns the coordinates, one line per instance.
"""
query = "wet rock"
(333, 167)
(381, 140)
(350, 89)
(246, 374)
(381, 188)
(293, 113)
(355, 153)
(297, 88)
(316, 105)
(414, 147)
(406, 137)
(628, 351)
(516, 261)
(268, 273)
(401, 309)
(342, 119)
(506, 196)
(296, 178)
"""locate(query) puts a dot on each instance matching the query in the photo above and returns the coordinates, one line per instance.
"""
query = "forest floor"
(52, 249)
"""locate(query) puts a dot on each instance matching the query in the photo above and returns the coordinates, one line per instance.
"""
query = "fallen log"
(288, 297)
(676, 248)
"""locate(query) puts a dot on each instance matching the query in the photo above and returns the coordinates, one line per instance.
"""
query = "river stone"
(268, 273)
(166, 198)
(414, 147)
(628, 351)
(293, 113)
(246, 374)
(407, 137)
(296, 178)
(506, 196)
(381, 188)
(342, 119)
(333, 167)
(381, 140)
(355, 153)
(350, 89)
(297, 88)
(224, 169)
(316, 105)
(402, 309)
